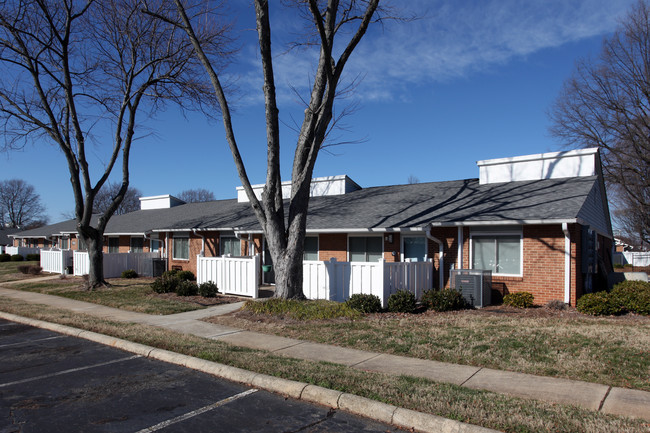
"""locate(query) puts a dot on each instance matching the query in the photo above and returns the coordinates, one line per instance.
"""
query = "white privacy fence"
(55, 260)
(23, 251)
(232, 275)
(337, 281)
(641, 259)
(116, 263)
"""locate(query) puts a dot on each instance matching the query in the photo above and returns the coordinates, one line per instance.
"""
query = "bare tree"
(195, 195)
(412, 179)
(606, 104)
(336, 27)
(75, 69)
(109, 191)
(20, 206)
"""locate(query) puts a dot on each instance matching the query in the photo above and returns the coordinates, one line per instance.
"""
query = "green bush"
(17, 258)
(598, 304)
(444, 300)
(632, 296)
(519, 299)
(170, 273)
(166, 283)
(364, 303)
(208, 289)
(129, 273)
(187, 288)
(5, 257)
(401, 301)
(186, 276)
(33, 257)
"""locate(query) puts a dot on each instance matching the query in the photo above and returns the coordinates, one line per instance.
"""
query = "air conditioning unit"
(474, 284)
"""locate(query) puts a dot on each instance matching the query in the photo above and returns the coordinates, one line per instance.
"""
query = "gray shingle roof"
(396, 206)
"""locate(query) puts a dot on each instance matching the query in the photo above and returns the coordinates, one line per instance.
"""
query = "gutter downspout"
(202, 253)
(567, 264)
(461, 241)
(441, 257)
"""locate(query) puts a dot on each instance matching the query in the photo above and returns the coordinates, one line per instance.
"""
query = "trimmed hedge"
(129, 273)
(17, 258)
(187, 288)
(519, 300)
(33, 257)
(166, 283)
(598, 304)
(208, 289)
(186, 276)
(4, 257)
(364, 303)
(401, 301)
(444, 300)
(632, 296)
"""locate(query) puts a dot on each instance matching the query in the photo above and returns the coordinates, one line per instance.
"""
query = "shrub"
(519, 299)
(170, 273)
(632, 296)
(165, 284)
(364, 303)
(208, 289)
(598, 304)
(129, 273)
(187, 288)
(33, 257)
(23, 269)
(17, 258)
(555, 304)
(302, 309)
(401, 301)
(444, 300)
(186, 276)
(35, 270)
(4, 257)
(619, 266)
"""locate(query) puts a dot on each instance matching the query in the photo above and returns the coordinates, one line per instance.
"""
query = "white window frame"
(180, 236)
(401, 246)
(487, 232)
(363, 235)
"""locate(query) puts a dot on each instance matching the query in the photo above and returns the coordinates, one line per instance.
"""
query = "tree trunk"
(94, 240)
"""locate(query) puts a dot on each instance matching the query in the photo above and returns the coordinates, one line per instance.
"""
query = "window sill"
(507, 277)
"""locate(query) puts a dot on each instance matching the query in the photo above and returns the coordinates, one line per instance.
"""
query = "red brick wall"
(390, 247)
(333, 245)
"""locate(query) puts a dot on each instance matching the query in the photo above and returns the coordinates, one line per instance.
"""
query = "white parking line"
(31, 341)
(72, 370)
(204, 409)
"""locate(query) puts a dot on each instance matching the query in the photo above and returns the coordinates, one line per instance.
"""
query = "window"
(181, 248)
(415, 248)
(365, 249)
(230, 245)
(65, 243)
(311, 248)
(498, 252)
(155, 245)
(137, 245)
(113, 245)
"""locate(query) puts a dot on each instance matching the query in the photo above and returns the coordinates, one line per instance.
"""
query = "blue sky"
(469, 80)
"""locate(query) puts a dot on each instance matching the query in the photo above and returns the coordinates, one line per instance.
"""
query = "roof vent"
(555, 165)
(159, 202)
(320, 186)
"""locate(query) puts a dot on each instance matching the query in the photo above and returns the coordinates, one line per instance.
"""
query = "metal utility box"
(474, 284)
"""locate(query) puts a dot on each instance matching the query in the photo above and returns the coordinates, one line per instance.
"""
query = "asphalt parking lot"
(55, 383)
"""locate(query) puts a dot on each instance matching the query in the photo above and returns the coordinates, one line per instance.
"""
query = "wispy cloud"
(451, 39)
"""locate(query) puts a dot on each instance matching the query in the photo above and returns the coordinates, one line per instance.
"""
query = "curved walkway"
(597, 397)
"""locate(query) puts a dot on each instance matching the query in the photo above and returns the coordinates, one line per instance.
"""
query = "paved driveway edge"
(362, 406)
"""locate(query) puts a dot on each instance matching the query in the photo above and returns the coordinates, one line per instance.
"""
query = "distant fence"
(116, 263)
(337, 281)
(636, 259)
(56, 261)
(232, 275)
(23, 251)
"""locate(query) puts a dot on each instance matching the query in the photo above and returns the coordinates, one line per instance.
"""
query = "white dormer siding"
(159, 202)
(320, 186)
(555, 165)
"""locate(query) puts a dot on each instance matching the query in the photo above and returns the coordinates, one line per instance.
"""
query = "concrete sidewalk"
(611, 400)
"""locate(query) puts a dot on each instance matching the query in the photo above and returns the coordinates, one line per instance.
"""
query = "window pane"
(508, 255)
(311, 248)
(375, 248)
(137, 245)
(357, 249)
(230, 245)
(155, 245)
(181, 248)
(113, 245)
(484, 254)
(415, 248)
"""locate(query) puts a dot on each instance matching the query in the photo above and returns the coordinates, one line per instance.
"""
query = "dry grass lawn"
(613, 351)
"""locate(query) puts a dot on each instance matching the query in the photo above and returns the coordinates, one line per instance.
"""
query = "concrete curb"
(362, 406)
